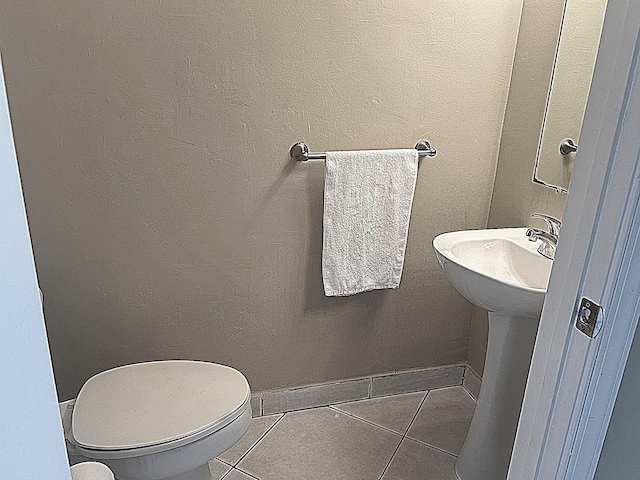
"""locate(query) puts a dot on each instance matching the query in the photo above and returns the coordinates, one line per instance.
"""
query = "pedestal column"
(487, 449)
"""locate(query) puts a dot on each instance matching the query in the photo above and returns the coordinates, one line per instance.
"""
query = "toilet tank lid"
(152, 403)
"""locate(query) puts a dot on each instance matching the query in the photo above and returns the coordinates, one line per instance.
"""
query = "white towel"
(367, 204)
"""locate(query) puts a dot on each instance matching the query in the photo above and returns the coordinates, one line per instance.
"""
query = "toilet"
(161, 420)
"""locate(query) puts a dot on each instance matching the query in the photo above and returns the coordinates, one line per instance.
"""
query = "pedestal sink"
(498, 270)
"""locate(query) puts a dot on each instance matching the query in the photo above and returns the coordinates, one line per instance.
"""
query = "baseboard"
(394, 383)
(471, 382)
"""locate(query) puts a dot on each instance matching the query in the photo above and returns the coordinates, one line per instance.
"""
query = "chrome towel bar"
(300, 152)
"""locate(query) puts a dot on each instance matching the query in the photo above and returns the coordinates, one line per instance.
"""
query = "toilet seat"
(151, 407)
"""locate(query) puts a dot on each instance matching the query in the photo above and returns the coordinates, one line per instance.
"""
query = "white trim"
(574, 380)
(32, 442)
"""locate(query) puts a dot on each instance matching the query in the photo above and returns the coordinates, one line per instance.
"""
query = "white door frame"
(574, 380)
(32, 442)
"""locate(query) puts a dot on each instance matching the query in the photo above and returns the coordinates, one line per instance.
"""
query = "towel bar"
(300, 152)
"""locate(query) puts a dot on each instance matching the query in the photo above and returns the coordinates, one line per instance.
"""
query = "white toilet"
(158, 420)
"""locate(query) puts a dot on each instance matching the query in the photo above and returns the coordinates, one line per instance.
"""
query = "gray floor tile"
(444, 418)
(257, 428)
(415, 461)
(218, 469)
(321, 444)
(394, 413)
(237, 475)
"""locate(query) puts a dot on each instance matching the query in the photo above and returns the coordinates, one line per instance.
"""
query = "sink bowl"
(496, 269)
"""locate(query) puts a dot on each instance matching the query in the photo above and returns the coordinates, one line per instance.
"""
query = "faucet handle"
(553, 224)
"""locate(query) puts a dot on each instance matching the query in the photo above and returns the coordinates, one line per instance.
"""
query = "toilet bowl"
(161, 420)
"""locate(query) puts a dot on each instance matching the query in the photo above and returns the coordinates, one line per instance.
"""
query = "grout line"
(469, 393)
(258, 440)
(238, 470)
(391, 459)
(432, 446)
(246, 473)
(304, 409)
(364, 421)
(404, 436)
(415, 415)
(420, 441)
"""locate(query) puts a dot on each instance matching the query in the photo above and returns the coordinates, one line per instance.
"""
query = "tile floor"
(414, 436)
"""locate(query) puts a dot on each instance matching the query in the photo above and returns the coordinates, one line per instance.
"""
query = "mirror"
(568, 91)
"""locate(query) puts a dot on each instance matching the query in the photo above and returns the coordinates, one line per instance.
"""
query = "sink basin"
(501, 271)
(496, 269)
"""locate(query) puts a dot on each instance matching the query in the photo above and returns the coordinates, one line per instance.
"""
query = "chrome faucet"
(549, 239)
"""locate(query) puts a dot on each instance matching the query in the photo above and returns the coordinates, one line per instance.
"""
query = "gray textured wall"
(515, 196)
(166, 218)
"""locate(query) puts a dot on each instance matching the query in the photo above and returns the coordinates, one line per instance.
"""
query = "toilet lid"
(152, 403)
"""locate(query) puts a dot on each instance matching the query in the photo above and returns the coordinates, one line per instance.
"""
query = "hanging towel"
(367, 204)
